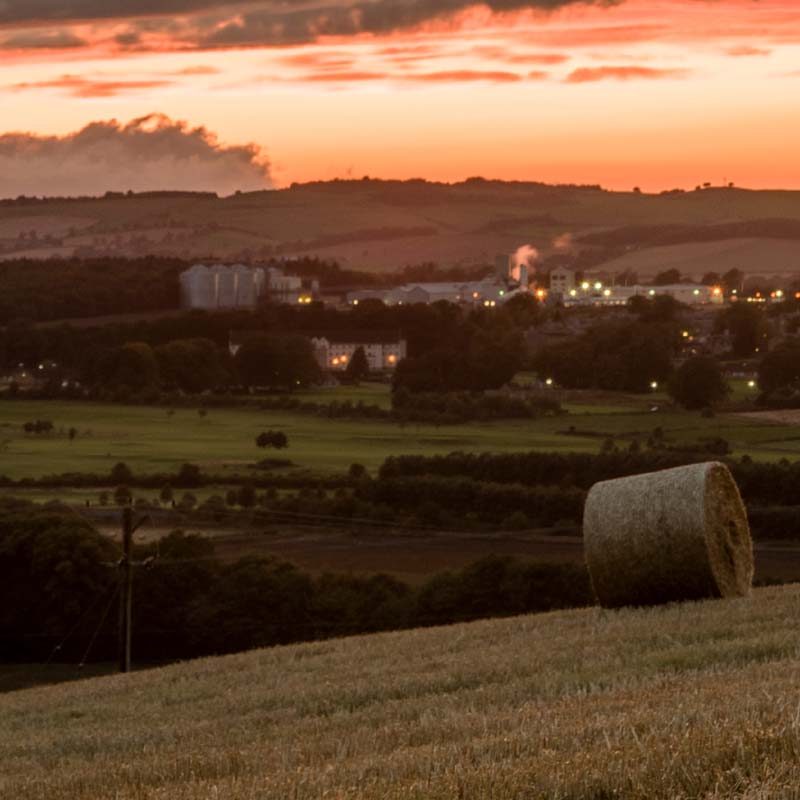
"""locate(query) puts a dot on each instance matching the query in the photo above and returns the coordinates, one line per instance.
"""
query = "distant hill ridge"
(381, 225)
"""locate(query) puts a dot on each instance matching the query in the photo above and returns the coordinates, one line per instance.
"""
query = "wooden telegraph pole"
(126, 588)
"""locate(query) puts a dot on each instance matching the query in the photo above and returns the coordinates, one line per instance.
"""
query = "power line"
(80, 621)
(99, 626)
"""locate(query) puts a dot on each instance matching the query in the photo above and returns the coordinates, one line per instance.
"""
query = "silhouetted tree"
(698, 383)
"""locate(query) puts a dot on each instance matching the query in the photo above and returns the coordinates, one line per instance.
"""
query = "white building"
(598, 294)
(334, 352)
(282, 288)
(562, 280)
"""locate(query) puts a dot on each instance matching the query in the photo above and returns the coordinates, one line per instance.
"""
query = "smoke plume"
(149, 153)
(524, 256)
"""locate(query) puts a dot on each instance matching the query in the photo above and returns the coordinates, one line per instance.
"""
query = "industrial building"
(487, 292)
(564, 286)
(239, 286)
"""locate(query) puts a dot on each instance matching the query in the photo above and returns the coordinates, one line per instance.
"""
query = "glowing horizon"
(657, 94)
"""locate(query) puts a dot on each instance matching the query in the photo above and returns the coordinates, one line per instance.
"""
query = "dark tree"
(189, 476)
(698, 383)
(132, 367)
(667, 277)
(276, 439)
(358, 367)
(121, 474)
(191, 365)
(246, 496)
(780, 368)
(747, 327)
(122, 496)
(277, 362)
(733, 280)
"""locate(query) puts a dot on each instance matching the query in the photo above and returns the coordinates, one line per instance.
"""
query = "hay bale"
(678, 534)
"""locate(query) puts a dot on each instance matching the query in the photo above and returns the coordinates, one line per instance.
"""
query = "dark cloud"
(149, 153)
(242, 23)
(42, 40)
(275, 24)
(39, 11)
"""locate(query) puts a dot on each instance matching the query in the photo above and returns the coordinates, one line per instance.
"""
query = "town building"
(562, 281)
(333, 351)
(383, 351)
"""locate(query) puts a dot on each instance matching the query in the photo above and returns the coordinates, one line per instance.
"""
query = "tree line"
(57, 577)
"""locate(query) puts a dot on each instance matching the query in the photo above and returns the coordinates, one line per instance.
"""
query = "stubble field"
(687, 701)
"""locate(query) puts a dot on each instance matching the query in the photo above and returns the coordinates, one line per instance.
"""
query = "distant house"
(334, 351)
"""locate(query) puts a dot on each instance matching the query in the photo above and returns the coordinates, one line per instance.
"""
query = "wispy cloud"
(593, 74)
(744, 51)
(79, 86)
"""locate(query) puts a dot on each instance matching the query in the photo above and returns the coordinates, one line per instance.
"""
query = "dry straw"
(678, 534)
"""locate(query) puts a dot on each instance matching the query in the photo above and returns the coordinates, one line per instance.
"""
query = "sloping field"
(752, 256)
(374, 224)
(690, 701)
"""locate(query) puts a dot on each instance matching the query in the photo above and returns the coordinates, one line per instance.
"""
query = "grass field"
(150, 439)
(688, 701)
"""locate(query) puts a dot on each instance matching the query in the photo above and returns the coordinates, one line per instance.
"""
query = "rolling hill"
(687, 701)
(383, 225)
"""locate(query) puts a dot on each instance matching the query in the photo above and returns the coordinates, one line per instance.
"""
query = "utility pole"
(126, 588)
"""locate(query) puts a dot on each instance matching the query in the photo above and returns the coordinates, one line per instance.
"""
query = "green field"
(695, 700)
(151, 439)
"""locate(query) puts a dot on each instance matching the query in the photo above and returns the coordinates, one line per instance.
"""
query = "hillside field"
(151, 439)
(382, 225)
(696, 700)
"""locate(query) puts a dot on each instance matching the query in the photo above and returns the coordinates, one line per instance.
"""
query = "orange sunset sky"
(653, 93)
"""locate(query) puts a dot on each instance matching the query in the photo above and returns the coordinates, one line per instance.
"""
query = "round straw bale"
(678, 534)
